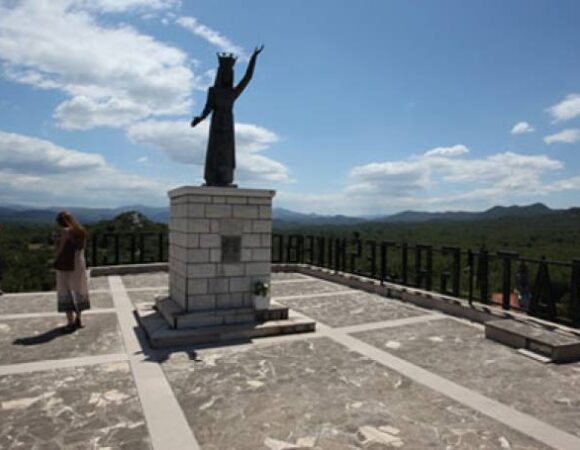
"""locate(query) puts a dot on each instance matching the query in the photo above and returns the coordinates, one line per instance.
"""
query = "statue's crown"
(227, 59)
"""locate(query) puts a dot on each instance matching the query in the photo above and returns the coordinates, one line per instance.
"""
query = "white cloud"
(567, 109)
(188, 146)
(143, 159)
(455, 150)
(522, 127)
(566, 136)
(210, 35)
(38, 171)
(439, 180)
(112, 75)
(30, 155)
(118, 6)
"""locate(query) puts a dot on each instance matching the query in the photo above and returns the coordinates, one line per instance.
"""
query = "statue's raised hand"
(257, 51)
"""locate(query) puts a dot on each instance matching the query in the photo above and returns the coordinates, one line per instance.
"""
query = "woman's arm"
(249, 72)
(206, 110)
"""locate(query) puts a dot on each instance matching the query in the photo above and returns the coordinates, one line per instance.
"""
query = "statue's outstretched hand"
(195, 121)
(257, 51)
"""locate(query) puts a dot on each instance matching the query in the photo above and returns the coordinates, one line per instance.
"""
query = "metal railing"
(126, 248)
(540, 287)
(543, 288)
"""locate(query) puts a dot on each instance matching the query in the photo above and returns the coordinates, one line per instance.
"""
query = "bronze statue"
(220, 160)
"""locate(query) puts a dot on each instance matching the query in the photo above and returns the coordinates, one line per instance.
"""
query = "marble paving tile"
(140, 297)
(316, 394)
(351, 309)
(309, 286)
(157, 279)
(460, 352)
(283, 276)
(34, 303)
(98, 283)
(79, 408)
(25, 340)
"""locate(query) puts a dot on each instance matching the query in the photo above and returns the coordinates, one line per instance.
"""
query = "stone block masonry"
(220, 244)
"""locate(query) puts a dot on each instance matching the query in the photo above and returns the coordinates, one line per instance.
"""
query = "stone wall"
(203, 275)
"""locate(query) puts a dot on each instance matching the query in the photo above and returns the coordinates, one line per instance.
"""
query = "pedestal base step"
(178, 318)
(553, 344)
(161, 335)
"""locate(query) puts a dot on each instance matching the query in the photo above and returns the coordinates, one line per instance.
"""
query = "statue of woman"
(220, 160)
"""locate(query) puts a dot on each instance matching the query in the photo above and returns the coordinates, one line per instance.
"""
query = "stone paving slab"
(156, 279)
(351, 309)
(460, 353)
(76, 408)
(309, 286)
(98, 283)
(316, 394)
(140, 297)
(286, 276)
(34, 303)
(25, 340)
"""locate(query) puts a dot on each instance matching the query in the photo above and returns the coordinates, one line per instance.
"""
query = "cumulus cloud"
(439, 179)
(117, 6)
(567, 109)
(112, 75)
(210, 35)
(38, 171)
(566, 136)
(522, 127)
(188, 146)
(455, 150)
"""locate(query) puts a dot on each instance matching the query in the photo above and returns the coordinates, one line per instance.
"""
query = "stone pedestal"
(220, 245)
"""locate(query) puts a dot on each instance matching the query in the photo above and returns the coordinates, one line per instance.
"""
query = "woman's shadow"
(43, 338)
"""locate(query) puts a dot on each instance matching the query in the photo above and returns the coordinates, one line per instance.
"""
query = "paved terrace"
(377, 374)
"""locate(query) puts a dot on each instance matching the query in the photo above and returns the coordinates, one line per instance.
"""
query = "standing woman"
(71, 272)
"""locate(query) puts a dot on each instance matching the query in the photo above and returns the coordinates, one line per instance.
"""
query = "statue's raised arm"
(249, 71)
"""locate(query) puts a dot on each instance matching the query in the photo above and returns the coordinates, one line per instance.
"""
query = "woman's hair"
(67, 220)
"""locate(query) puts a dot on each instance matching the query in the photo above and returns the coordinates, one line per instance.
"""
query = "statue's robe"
(220, 161)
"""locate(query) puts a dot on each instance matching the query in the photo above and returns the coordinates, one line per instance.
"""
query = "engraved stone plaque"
(231, 249)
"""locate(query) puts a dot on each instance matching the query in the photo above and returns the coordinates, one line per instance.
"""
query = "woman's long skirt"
(72, 288)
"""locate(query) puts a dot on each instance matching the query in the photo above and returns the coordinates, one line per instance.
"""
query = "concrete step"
(176, 317)
(160, 335)
(552, 343)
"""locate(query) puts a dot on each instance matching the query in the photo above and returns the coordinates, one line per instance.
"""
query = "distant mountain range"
(283, 217)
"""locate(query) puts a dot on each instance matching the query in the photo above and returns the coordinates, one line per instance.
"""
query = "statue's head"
(225, 73)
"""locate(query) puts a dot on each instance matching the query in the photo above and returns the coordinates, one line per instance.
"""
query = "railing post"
(372, 258)
(281, 248)
(418, 263)
(310, 240)
(429, 268)
(483, 276)
(506, 265)
(95, 249)
(321, 244)
(455, 253)
(356, 251)
(117, 251)
(574, 294)
(385, 260)
(133, 248)
(160, 242)
(543, 292)
(141, 248)
(470, 263)
(330, 250)
(404, 262)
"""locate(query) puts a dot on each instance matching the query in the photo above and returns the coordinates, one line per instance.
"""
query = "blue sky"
(355, 108)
